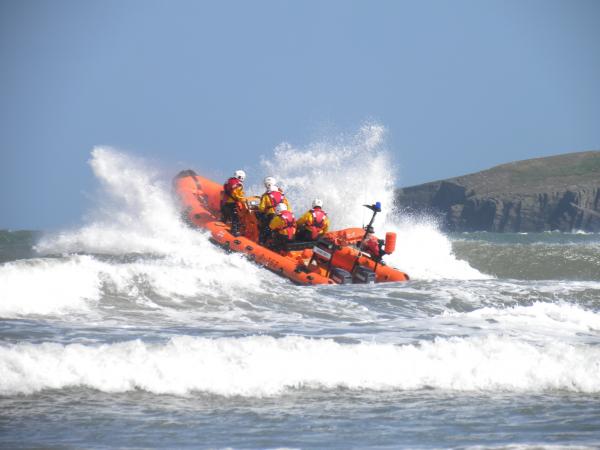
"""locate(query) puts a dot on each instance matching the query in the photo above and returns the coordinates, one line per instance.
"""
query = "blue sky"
(459, 85)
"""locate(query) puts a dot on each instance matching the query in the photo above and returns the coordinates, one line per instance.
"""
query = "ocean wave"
(538, 321)
(266, 366)
(49, 286)
(83, 283)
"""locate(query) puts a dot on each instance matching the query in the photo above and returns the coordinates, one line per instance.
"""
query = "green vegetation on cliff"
(554, 193)
(540, 174)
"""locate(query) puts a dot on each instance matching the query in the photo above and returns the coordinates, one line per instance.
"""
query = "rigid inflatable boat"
(334, 258)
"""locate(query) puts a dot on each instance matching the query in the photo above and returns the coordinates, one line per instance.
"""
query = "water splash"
(354, 170)
(345, 173)
(135, 212)
(132, 213)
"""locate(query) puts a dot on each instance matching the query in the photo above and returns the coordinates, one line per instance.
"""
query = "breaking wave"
(135, 212)
(133, 233)
(267, 366)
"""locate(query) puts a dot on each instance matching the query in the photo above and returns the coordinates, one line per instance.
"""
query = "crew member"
(373, 246)
(313, 223)
(233, 194)
(283, 227)
(272, 197)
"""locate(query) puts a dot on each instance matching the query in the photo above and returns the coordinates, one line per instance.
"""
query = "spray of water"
(134, 211)
(346, 174)
(351, 171)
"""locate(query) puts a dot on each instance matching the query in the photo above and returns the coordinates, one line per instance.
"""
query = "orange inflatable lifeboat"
(338, 257)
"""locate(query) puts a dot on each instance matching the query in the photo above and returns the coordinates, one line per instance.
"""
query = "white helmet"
(240, 175)
(269, 182)
(280, 207)
(317, 202)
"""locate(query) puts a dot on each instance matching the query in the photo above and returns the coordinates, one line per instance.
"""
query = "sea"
(131, 331)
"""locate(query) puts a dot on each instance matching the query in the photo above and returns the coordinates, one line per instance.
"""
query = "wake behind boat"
(335, 258)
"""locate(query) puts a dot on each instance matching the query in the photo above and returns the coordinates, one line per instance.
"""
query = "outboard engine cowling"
(340, 276)
(363, 275)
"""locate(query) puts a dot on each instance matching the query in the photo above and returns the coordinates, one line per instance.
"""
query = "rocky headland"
(543, 194)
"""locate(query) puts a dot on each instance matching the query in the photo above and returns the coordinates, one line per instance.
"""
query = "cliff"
(554, 193)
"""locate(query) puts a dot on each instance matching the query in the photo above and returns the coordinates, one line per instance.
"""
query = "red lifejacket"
(231, 185)
(290, 223)
(276, 198)
(318, 222)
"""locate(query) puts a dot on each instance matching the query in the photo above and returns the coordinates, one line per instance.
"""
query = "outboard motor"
(363, 275)
(324, 249)
(340, 276)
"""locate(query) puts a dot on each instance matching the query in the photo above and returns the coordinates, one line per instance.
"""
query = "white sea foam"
(425, 253)
(135, 213)
(48, 286)
(540, 320)
(61, 286)
(264, 366)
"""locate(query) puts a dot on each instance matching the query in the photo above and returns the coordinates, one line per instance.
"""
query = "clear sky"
(459, 85)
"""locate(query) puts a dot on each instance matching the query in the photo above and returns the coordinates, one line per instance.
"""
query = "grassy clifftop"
(554, 193)
(540, 175)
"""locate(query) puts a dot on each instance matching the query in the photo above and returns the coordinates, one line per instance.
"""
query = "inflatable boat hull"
(305, 264)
